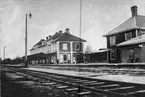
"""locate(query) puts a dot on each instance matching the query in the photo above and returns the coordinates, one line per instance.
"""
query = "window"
(49, 48)
(64, 46)
(69, 56)
(64, 57)
(143, 32)
(112, 55)
(140, 32)
(77, 46)
(43, 42)
(128, 36)
(112, 40)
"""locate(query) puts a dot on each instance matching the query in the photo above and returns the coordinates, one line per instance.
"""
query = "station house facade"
(58, 48)
(130, 35)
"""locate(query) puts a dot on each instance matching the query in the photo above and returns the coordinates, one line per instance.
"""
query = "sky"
(50, 16)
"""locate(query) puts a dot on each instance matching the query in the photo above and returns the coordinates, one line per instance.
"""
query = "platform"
(94, 75)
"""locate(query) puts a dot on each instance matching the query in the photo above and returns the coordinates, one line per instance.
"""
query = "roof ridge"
(68, 35)
(117, 26)
(58, 37)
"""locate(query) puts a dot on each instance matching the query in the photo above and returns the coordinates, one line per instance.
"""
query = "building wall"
(143, 53)
(124, 52)
(120, 37)
(70, 53)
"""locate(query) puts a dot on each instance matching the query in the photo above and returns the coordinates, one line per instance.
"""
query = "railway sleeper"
(92, 84)
(62, 87)
(84, 93)
(105, 86)
(131, 90)
(72, 89)
(120, 88)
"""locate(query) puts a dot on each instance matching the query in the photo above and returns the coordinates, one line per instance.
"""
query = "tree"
(86, 56)
(6, 61)
(88, 49)
(17, 60)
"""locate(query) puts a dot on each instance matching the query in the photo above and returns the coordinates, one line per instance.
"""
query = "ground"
(19, 86)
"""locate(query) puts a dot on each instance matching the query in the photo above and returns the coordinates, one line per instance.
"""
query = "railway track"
(86, 87)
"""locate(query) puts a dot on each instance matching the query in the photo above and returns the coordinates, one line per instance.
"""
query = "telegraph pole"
(26, 59)
(80, 30)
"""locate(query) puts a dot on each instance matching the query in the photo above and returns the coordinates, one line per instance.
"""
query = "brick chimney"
(60, 31)
(50, 36)
(67, 30)
(134, 11)
(46, 38)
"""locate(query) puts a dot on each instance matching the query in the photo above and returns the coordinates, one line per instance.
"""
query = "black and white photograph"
(72, 48)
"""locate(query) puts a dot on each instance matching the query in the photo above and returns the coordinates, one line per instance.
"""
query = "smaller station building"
(127, 40)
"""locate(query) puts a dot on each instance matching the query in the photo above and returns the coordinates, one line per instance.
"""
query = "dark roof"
(40, 42)
(56, 35)
(136, 22)
(69, 37)
(135, 40)
(59, 36)
(39, 56)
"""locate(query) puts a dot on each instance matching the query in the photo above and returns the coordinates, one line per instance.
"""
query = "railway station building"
(58, 48)
(127, 38)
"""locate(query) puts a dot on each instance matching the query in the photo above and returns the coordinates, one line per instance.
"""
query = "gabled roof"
(135, 22)
(135, 40)
(69, 37)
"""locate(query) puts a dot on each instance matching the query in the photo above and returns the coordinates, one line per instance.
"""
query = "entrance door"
(65, 58)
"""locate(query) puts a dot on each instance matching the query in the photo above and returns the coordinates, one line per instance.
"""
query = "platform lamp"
(26, 60)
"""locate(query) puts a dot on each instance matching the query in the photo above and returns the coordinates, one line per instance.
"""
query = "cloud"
(37, 32)
(11, 28)
(44, 30)
(141, 6)
(93, 35)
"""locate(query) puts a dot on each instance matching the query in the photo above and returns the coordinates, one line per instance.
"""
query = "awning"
(39, 56)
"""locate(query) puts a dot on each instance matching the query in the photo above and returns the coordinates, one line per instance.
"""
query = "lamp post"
(26, 60)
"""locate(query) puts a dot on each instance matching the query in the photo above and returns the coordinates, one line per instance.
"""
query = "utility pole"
(26, 59)
(80, 49)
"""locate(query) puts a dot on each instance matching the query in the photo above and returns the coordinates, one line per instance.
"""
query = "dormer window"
(128, 36)
(43, 42)
(112, 41)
